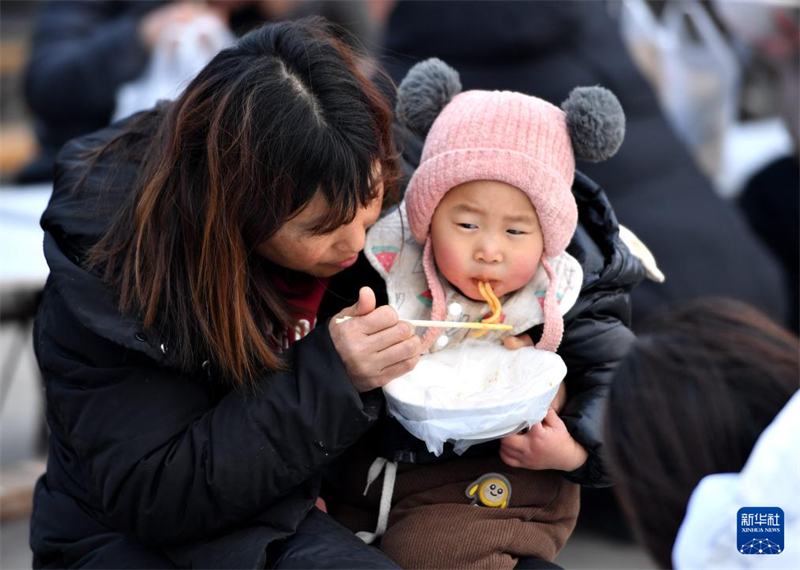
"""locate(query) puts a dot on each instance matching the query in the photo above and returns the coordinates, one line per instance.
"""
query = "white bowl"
(474, 392)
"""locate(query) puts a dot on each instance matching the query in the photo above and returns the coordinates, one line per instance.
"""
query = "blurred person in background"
(771, 198)
(702, 243)
(719, 382)
(83, 52)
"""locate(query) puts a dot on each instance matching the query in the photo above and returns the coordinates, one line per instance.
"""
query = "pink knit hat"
(509, 137)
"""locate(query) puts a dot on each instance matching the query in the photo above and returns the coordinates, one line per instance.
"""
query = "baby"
(491, 212)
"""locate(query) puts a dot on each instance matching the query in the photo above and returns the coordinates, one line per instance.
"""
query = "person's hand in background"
(152, 25)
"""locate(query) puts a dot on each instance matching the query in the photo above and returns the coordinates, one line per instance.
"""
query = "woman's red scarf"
(304, 293)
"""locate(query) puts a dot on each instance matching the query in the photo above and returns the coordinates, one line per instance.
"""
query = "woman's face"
(296, 246)
(486, 231)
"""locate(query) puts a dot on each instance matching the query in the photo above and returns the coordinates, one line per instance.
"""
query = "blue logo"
(759, 530)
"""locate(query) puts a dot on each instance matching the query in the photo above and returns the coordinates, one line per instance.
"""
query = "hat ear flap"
(424, 92)
(596, 123)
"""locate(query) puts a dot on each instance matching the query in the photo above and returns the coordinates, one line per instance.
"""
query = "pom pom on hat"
(424, 92)
(595, 121)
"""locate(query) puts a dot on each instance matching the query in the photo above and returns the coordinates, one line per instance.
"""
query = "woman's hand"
(373, 344)
(546, 445)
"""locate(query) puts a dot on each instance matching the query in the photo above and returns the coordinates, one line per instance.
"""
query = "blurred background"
(708, 176)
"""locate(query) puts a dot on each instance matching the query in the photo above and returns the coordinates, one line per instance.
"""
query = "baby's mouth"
(493, 283)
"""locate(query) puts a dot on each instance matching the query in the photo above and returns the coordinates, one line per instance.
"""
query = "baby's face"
(486, 231)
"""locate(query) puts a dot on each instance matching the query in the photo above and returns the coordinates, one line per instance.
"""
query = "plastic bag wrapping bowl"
(474, 392)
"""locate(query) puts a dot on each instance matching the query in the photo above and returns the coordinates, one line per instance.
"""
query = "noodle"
(494, 304)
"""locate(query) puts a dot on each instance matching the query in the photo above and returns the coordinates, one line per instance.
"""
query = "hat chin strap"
(438, 312)
(553, 322)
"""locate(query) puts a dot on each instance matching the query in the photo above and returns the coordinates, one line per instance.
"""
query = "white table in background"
(23, 270)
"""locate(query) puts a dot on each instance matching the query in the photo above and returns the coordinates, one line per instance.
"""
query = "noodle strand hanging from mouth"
(494, 304)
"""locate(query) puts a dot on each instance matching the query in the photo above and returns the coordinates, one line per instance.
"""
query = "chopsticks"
(448, 324)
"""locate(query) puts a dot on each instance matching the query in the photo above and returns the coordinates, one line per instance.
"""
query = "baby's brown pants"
(433, 525)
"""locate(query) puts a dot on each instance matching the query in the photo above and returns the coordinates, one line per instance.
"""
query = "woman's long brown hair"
(271, 121)
(690, 399)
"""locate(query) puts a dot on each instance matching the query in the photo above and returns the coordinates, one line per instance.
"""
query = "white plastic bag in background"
(694, 70)
(474, 392)
(182, 50)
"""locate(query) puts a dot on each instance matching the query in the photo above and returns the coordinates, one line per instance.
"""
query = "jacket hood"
(606, 260)
(75, 220)
(78, 218)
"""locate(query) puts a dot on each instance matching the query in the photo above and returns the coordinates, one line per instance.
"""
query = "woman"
(189, 247)
(712, 377)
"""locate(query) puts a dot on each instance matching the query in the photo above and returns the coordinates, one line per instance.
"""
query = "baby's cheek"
(450, 263)
(522, 272)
